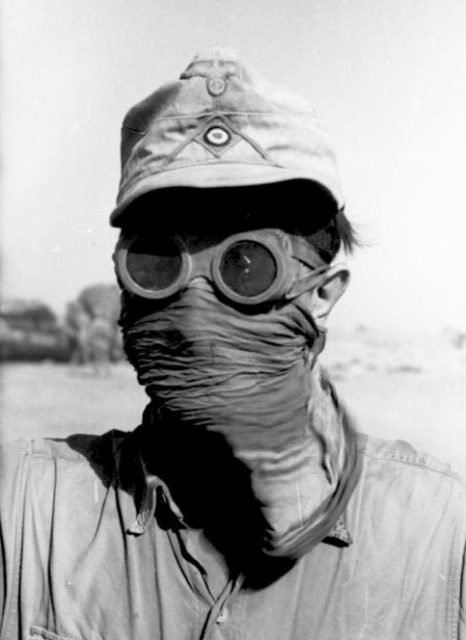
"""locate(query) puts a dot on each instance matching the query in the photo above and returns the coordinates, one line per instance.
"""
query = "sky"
(388, 78)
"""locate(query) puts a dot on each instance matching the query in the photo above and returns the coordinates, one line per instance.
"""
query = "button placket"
(222, 613)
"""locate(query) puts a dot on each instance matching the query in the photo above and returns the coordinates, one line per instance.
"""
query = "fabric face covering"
(211, 368)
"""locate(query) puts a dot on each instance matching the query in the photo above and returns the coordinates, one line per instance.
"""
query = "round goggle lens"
(154, 262)
(248, 268)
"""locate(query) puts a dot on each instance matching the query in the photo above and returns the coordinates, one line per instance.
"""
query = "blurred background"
(388, 79)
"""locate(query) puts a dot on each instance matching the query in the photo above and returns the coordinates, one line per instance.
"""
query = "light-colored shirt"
(85, 558)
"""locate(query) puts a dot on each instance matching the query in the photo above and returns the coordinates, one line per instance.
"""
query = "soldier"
(245, 505)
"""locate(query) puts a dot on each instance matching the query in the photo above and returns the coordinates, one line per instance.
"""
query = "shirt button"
(223, 616)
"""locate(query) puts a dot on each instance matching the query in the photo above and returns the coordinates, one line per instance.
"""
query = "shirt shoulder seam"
(43, 448)
(422, 463)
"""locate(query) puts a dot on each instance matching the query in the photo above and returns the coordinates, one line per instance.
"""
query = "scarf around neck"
(241, 419)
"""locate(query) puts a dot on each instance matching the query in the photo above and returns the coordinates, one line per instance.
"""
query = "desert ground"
(412, 388)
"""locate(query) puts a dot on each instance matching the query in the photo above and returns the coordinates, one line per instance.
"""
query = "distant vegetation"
(88, 333)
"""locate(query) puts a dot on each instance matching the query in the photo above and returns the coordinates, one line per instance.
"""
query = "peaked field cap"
(221, 125)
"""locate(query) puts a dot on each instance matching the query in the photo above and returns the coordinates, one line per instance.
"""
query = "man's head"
(220, 152)
(231, 214)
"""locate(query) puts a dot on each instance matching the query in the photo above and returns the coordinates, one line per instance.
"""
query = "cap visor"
(219, 175)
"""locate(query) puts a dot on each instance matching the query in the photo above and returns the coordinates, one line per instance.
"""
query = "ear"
(324, 297)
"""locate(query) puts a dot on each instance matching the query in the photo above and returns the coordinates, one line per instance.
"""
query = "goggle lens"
(154, 263)
(248, 268)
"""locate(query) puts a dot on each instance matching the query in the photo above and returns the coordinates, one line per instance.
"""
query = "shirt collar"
(156, 494)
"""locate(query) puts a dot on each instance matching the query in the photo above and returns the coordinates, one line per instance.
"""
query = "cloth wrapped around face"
(216, 373)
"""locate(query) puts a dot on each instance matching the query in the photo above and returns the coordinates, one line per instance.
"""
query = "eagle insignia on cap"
(216, 86)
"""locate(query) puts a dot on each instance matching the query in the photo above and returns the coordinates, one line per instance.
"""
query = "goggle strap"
(303, 251)
(316, 346)
(306, 283)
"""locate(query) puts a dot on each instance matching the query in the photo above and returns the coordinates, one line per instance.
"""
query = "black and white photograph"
(233, 320)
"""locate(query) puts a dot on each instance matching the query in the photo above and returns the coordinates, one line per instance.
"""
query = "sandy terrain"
(412, 388)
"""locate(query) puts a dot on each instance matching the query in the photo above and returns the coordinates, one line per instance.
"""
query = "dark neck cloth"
(210, 489)
(241, 418)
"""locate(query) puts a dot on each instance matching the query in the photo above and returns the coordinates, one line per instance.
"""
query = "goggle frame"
(207, 263)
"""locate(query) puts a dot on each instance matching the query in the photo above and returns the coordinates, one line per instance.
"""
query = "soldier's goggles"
(247, 268)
